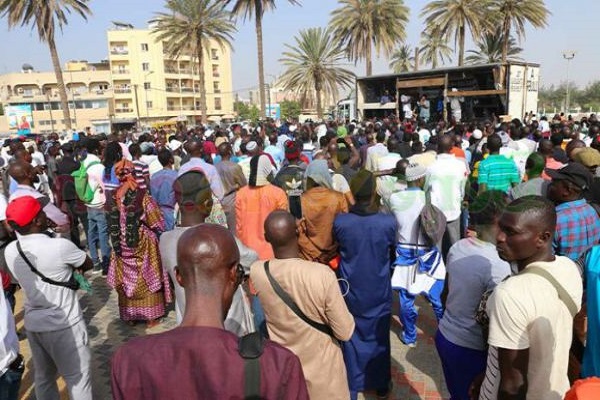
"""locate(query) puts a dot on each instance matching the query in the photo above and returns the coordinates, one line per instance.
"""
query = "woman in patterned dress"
(135, 270)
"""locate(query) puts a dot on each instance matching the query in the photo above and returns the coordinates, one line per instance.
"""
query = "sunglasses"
(240, 274)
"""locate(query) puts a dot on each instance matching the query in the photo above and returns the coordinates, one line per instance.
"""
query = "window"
(214, 54)
(145, 66)
(216, 88)
(124, 105)
(146, 85)
(144, 46)
(217, 103)
(215, 71)
(148, 104)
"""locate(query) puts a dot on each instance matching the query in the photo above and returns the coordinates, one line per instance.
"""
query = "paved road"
(416, 372)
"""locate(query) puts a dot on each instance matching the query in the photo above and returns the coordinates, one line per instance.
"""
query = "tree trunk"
(60, 83)
(319, 105)
(461, 46)
(369, 62)
(434, 62)
(203, 106)
(261, 67)
(506, 38)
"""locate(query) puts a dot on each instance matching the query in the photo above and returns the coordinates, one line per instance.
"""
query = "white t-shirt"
(47, 307)
(447, 177)
(526, 313)
(374, 153)
(473, 267)
(168, 253)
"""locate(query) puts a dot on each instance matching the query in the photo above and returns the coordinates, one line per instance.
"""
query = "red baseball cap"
(22, 210)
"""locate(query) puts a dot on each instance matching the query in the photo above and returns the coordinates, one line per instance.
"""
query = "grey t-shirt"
(168, 253)
(473, 267)
(536, 186)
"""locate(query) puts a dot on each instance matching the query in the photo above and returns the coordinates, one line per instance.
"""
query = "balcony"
(122, 90)
(170, 70)
(173, 108)
(120, 71)
(172, 89)
(123, 110)
(187, 90)
(119, 51)
(185, 71)
(215, 74)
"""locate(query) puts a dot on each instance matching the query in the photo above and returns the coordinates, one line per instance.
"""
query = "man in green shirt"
(497, 172)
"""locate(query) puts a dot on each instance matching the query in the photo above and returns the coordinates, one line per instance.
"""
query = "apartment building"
(88, 90)
(149, 86)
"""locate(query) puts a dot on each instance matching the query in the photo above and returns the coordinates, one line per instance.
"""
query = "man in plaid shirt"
(577, 223)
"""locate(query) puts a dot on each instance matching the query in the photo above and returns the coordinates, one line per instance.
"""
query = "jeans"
(461, 366)
(409, 314)
(98, 236)
(10, 382)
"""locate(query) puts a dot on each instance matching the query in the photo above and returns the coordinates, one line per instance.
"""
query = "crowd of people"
(283, 245)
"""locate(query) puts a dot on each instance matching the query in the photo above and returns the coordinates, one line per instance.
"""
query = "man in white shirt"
(375, 152)
(195, 149)
(53, 318)
(419, 268)
(531, 314)
(455, 105)
(97, 225)
(446, 178)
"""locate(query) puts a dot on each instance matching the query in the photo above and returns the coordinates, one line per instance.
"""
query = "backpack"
(82, 187)
(432, 221)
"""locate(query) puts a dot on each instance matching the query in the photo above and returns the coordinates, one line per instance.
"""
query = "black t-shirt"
(63, 182)
(290, 179)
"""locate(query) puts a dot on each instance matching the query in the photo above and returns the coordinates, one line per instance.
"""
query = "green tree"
(453, 17)
(434, 48)
(314, 62)
(242, 109)
(516, 13)
(46, 16)
(402, 60)
(290, 109)
(189, 27)
(490, 47)
(248, 9)
(360, 25)
(254, 113)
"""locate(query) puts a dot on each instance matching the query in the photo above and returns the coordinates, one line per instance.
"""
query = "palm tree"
(434, 48)
(402, 60)
(518, 13)
(314, 63)
(453, 17)
(256, 9)
(189, 27)
(361, 24)
(46, 16)
(490, 48)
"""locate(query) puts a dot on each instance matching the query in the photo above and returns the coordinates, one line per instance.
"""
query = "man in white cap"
(419, 267)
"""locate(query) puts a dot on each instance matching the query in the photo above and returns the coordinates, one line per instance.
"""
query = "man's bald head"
(22, 154)
(21, 171)
(207, 254)
(281, 229)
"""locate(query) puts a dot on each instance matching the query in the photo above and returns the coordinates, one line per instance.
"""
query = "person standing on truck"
(424, 108)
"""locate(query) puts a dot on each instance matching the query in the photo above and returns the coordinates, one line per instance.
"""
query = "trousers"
(409, 313)
(65, 352)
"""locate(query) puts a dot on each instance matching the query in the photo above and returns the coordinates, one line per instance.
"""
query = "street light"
(568, 55)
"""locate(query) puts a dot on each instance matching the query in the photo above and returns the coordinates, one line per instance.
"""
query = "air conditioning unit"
(20, 90)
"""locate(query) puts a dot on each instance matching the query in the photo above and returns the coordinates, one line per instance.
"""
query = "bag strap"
(38, 273)
(91, 164)
(251, 347)
(563, 295)
(294, 307)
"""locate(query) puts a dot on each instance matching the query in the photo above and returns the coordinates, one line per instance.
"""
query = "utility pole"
(73, 98)
(268, 107)
(137, 105)
(568, 55)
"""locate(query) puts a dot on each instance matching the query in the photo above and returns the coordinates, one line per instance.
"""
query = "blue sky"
(572, 26)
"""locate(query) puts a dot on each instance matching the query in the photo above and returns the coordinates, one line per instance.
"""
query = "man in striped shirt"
(141, 169)
(497, 172)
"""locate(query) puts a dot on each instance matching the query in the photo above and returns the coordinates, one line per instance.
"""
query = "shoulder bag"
(72, 283)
